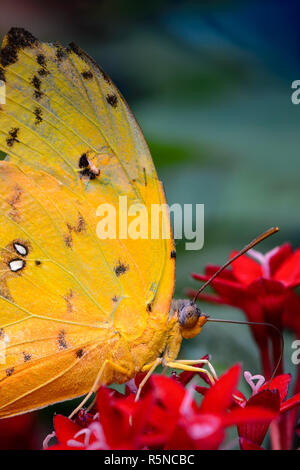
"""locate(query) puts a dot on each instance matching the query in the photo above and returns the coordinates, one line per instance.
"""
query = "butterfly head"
(190, 318)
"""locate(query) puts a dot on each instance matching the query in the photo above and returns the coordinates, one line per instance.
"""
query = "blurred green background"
(210, 84)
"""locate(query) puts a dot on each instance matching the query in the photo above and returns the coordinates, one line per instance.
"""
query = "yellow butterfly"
(76, 311)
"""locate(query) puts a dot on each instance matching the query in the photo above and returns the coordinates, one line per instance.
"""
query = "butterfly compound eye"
(190, 319)
(188, 315)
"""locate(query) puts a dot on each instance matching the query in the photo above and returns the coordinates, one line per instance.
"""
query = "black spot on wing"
(90, 60)
(78, 228)
(76, 49)
(17, 39)
(112, 99)
(87, 75)
(145, 176)
(38, 115)
(36, 83)
(9, 55)
(85, 168)
(26, 356)
(60, 53)
(68, 298)
(121, 268)
(43, 72)
(2, 75)
(14, 202)
(79, 353)
(10, 371)
(68, 240)
(115, 299)
(173, 254)
(38, 262)
(83, 161)
(105, 76)
(149, 308)
(61, 339)
(41, 60)
(81, 224)
(21, 38)
(13, 136)
(1, 333)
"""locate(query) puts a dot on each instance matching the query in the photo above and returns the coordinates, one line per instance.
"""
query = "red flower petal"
(206, 297)
(251, 416)
(222, 286)
(283, 252)
(268, 400)
(211, 269)
(239, 399)
(167, 391)
(248, 445)
(270, 296)
(202, 390)
(245, 269)
(199, 432)
(114, 420)
(291, 318)
(289, 271)
(280, 383)
(219, 397)
(160, 426)
(65, 429)
(290, 403)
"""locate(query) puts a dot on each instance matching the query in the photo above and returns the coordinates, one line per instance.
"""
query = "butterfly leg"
(152, 368)
(182, 365)
(178, 364)
(97, 384)
(200, 361)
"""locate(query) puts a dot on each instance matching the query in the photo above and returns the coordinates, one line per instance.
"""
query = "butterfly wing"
(61, 106)
(62, 111)
(56, 316)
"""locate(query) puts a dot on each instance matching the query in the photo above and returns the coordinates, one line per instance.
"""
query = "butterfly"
(77, 311)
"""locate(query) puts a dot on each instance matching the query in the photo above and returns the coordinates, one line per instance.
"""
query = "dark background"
(210, 84)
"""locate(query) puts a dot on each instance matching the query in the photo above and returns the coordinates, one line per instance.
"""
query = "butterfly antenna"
(253, 323)
(248, 247)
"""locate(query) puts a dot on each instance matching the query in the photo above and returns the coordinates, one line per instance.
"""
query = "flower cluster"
(171, 414)
(179, 413)
(264, 288)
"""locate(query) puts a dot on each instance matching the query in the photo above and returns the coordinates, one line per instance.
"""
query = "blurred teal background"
(210, 84)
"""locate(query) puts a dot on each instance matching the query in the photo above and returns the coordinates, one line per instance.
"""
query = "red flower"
(269, 396)
(165, 417)
(206, 428)
(263, 287)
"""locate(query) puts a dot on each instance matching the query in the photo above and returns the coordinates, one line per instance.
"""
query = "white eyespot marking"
(20, 249)
(16, 264)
